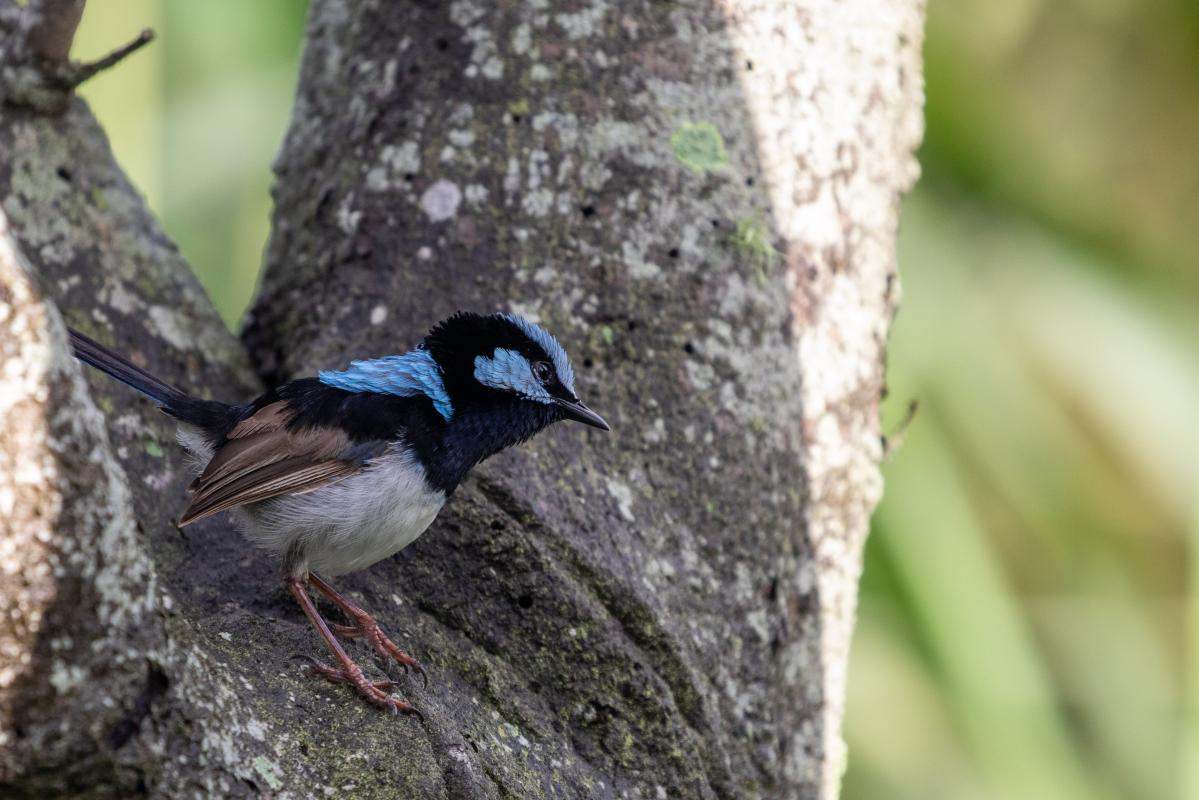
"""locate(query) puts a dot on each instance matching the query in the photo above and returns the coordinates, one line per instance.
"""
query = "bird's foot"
(377, 692)
(368, 628)
(364, 625)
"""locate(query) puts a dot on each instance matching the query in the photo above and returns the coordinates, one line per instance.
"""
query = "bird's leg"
(349, 672)
(366, 627)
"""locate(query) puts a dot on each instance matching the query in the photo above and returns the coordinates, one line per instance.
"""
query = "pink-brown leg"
(349, 672)
(366, 627)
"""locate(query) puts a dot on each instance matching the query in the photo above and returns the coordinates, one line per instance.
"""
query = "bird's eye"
(542, 371)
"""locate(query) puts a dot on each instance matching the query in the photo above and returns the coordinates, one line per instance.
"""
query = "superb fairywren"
(336, 472)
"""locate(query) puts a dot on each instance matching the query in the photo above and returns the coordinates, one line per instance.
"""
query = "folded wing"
(262, 459)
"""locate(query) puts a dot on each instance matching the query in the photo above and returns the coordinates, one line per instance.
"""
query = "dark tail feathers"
(97, 355)
(207, 414)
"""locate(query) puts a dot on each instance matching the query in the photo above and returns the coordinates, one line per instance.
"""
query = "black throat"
(478, 432)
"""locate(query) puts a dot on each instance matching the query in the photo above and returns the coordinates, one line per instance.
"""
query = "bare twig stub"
(894, 440)
(76, 74)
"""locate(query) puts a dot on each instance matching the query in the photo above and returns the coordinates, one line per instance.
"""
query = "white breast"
(351, 524)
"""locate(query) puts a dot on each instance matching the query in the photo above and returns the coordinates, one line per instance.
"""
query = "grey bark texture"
(698, 198)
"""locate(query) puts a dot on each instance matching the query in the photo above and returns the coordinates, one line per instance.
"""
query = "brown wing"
(262, 459)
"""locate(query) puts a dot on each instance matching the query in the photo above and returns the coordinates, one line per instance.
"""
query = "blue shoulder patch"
(408, 375)
(566, 374)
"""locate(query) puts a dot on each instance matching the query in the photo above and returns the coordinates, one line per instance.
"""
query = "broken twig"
(75, 74)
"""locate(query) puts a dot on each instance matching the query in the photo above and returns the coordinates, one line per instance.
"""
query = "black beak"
(574, 409)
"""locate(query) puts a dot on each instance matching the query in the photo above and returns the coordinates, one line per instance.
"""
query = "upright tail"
(206, 414)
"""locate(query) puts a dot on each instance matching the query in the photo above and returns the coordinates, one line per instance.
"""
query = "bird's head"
(505, 360)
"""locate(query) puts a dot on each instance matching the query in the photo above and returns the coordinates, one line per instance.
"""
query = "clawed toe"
(388, 649)
(408, 665)
(419, 670)
(377, 692)
(339, 675)
(367, 628)
(381, 698)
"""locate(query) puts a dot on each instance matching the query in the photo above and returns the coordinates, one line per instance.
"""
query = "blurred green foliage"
(1029, 625)
(196, 119)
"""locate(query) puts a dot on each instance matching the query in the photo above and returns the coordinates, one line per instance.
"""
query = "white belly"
(348, 525)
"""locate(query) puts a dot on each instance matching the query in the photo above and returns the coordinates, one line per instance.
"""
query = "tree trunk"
(698, 198)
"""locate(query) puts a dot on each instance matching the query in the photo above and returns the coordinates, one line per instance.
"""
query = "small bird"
(336, 472)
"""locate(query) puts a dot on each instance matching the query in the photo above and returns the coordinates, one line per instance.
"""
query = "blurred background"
(1029, 627)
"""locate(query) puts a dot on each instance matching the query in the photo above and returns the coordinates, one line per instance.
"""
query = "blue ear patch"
(509, 370)
(408, 375)
(566, 374)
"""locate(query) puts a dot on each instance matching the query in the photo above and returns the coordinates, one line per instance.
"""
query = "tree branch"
(53, 30)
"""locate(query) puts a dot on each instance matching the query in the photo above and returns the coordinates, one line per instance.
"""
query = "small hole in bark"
(599, 712)
(688, 348)
(516, 118)
(497, 525)
(442, 43)
(525, 601)
(749, 65)
(632, 325)
(156, 685)
(749, 181)
(588, 363)
(409, 177)
(588, 211)
(322, 203)
(64, 173)
(715, 223)
(674, 252)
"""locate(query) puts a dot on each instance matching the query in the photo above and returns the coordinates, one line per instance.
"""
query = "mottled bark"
(698, 198)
